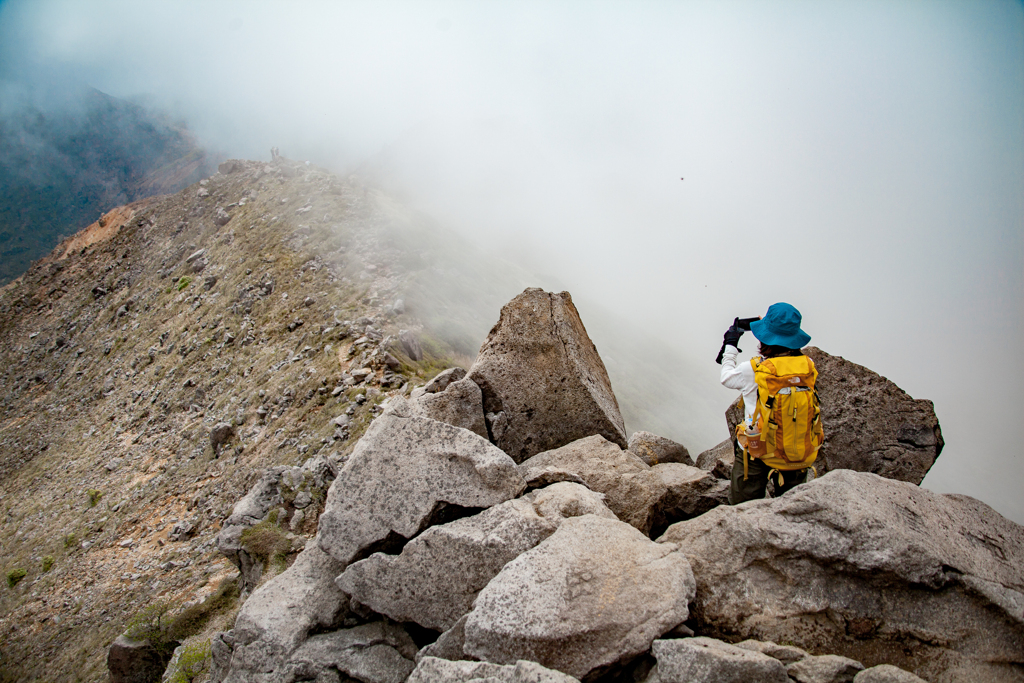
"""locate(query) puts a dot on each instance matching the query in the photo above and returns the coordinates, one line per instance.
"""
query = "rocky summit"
(235, 452)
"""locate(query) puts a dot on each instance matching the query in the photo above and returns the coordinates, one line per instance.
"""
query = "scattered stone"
(220, 434)
(308, 301)
(360, 374)
(195, 256)
(443, 379)
(221, 217)
(209, 281)
(706, 660)
(654, 449)
(939, 572)
(398, 308)
(824, 669)
(180, 531)
(231, 166)
(540, 368)
(787, 654)
(113, 464)
(631, 489)
(406, 473)
(434, 670)
(594, 593)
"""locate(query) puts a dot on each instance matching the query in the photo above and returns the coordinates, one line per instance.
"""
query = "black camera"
(743, 324)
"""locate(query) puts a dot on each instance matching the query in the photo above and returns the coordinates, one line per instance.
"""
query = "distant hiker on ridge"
(781, 431)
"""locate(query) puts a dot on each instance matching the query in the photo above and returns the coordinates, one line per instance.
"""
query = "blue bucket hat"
(780, 327)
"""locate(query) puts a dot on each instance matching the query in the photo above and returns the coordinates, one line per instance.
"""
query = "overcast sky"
(861, 160)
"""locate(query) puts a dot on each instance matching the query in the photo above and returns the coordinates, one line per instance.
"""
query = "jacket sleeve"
(739, 377)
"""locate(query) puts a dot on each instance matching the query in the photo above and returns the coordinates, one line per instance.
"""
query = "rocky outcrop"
(630, 488)
(378, 652)
(434, 670)
(438, 575)
(594, 594)
(871, 425)
(544, 384)
(281, 614)
(136, 661)
(406, 473)
(654, 449)
(865, 567)
(718, 459)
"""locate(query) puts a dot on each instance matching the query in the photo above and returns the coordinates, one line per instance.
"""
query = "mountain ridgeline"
(63, 165)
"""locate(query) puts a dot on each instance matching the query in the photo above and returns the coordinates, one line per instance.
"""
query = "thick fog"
(677, 163)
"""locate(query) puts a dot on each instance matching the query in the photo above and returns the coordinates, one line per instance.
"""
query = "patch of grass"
(14, 576)
(47, 563)
(148, 623)
(192, 620)
(69, 541)
(184, 282)
(94, 496)
(267, 543)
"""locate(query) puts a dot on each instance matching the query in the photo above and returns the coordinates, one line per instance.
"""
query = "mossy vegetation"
(267, 543)
(15, 576)
(47, 563)
(94, 497)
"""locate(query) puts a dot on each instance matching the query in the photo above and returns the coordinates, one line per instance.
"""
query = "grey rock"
(180, 531)
(361, 374)
(195, 256)
(631, 489)
(302, 500)
(411, 345)
(540, 368)
(341, 421)
(405, 474)
(706, 660)
(434, 670)
(538, 477)
(871, 425)
(886, 673)
(449, 644)
(378, 652)
(221, 434)
(824, 669)
(787, 654)
(308, 301)
(460, 404)
(436, 578)
(593, 594)
(443, 379)
(718, 460)
(136, 661)
(221, 217)
(113, 464)
(398, 308)
(689, 492)
(882, 558)
(280, 614)
(654, 449)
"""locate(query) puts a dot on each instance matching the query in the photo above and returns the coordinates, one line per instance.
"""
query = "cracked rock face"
(542, 378)
(407, 473)
(865, 567)
(595, 593)
(871, 425)
(439, 573)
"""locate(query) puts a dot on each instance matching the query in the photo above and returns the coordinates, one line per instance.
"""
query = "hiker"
(781, 431)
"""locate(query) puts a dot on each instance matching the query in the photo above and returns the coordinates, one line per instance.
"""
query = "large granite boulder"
(594, 594)
(877, 570)
(408, 473)
(630, 488)
(654, 449)
(434, 670)
(543, 382)
(280, 615)
(435, 579)
(378, 652)
(459, 403)
(689, 492)
(706, 660)
(871, 425)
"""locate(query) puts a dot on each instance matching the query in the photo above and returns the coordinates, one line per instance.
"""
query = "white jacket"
(741, 378)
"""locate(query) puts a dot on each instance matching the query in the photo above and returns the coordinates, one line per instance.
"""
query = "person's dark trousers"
(757, 479)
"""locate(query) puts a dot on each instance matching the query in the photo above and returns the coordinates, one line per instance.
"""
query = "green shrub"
(184, 282)
(193, 661)
(47, 563)
(148, 624)
(94, 497)
(14, 576)
(193, 619)
(69, 541)
(266, 543)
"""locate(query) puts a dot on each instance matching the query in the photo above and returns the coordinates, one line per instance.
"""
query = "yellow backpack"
(787, 415)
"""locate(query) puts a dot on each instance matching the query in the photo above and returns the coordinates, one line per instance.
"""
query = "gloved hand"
(732, 336)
